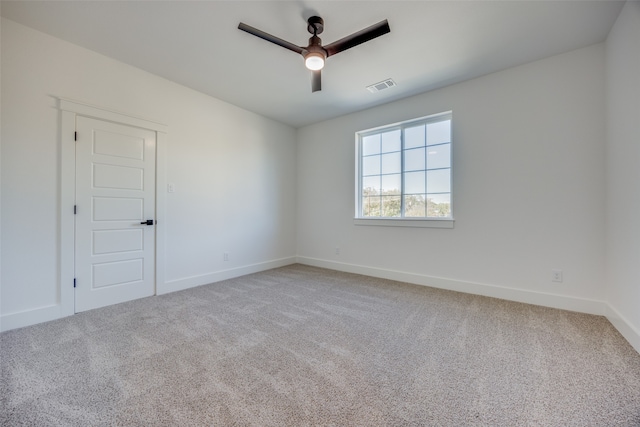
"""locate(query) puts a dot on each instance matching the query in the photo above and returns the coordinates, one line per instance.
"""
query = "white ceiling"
(432, 44)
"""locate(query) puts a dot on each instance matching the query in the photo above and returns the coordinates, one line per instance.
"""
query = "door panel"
(117, 208)
(117, 177)
(115, 192)
(118, 272)
(113, 241)
(113, 144)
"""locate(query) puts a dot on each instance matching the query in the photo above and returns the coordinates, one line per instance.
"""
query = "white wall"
(531, 188)
(528, 159)
(623, 173)
(234, 171)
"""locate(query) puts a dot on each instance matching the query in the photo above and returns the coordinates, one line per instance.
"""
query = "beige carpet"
(303, 346)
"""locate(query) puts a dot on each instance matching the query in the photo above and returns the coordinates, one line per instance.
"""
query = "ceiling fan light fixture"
(314, 61)
(315, 54)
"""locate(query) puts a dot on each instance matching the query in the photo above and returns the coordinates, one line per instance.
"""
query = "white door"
(115, 196)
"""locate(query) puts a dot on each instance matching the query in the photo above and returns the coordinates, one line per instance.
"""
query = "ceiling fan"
(315, 54)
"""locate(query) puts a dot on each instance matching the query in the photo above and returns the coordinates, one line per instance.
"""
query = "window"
(404, 170)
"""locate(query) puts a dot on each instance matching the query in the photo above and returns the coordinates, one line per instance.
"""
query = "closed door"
(115, 212)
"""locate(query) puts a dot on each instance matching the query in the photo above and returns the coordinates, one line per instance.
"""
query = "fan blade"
(360, 37)
(316, 81)
(268, 37)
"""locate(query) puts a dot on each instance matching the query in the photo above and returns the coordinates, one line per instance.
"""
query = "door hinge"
(74, 282)
(75, 136)
(75, 209)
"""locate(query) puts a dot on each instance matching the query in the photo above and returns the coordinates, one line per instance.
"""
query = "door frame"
(70, 109)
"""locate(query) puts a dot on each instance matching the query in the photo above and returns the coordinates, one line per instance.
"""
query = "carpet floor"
(304, 346)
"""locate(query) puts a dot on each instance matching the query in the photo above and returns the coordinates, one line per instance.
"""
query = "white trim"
(69, 111)
(431, 118)
(405, 222)
(31, 317)
(66, 255)
(161, 211)
(401, 126)
(582, 305)
(87, 110)
(626, 329)
(205, 279)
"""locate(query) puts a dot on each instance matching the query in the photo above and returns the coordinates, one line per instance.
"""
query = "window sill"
(404, 222)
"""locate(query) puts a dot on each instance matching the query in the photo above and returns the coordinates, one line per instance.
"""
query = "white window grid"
(401, 127)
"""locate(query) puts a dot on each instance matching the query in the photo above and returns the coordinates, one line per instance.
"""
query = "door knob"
(147, 222)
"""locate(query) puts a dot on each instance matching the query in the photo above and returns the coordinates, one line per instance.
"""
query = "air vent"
(377, 87)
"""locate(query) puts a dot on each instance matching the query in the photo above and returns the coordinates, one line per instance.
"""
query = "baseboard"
(529, 297)
(54, 312)
(30, 317)
(626, 329)
(204, 279)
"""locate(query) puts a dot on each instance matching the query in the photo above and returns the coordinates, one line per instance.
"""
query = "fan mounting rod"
(315, 25)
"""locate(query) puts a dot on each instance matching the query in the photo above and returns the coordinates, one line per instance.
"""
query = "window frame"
(433, 222)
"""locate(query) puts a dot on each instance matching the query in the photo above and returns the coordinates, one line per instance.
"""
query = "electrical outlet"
(171, 187)
(225, 256)
(556, 276)
(337, 251)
